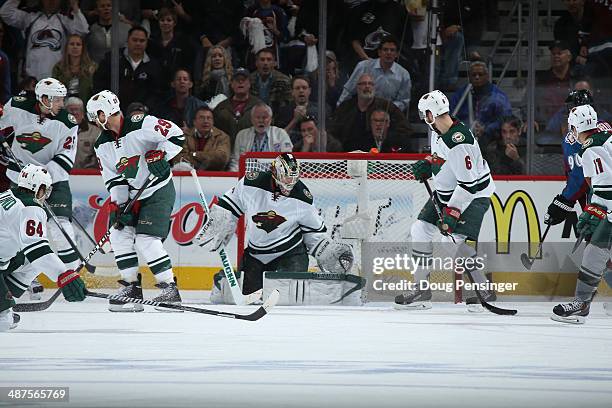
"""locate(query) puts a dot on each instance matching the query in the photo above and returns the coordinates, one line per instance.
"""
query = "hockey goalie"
(283, 228)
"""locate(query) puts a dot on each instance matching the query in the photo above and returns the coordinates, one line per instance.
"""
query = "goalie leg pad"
(305, 288)
(221, 293)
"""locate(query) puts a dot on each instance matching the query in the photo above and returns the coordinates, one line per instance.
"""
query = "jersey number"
(32, 229)
(163, 126)
(468, 162)
(598, 166)
(68, 143)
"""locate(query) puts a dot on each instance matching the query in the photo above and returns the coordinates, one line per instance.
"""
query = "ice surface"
(370, 356)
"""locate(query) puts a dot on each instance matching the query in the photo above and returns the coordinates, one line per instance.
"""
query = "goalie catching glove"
(218, 231)
(333, 257)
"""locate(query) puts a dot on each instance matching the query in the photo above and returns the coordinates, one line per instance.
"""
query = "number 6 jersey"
(49, 141)
(122, 158)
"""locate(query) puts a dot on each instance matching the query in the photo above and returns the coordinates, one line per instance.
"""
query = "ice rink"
(371, 356)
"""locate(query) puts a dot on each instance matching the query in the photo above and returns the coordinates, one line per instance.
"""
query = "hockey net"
(363, 198)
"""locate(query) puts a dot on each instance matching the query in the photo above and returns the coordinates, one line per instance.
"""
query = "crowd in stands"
(242, 75)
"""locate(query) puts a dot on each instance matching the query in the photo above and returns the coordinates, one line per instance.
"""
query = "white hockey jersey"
(460, 173)
(48, 142)
(122, 159)
(596, 155)
(275, 223)
(23, 227)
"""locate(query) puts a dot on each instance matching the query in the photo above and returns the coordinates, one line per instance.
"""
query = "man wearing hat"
(233, 114)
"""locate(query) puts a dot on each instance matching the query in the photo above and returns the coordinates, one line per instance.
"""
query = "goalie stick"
(256, 315)
(90, 268)
(526, 260)
(484, 303)
(237, 295)
(38, 306)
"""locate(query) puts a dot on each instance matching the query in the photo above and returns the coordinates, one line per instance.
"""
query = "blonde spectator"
(216, 75)
(76, 69)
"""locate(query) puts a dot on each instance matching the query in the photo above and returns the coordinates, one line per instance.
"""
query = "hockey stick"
(526, 260)
(256, 315)
(36, 307)
(484, 303)
(84, 231)
(237, 295)
(90, 268)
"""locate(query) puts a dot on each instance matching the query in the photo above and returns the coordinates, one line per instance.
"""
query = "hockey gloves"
(158, 165)
(558, 210)
(73, 287)
(116, 214)
(590, 219)
(450, 218)
(422, 168)
(333, 257)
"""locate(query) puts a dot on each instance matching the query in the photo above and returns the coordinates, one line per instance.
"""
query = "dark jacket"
(228, 122)
(499, 163)
(280, 89)
(391, 144)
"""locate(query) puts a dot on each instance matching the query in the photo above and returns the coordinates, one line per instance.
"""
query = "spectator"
(596, 35)
(379, 137)
(130, 12)
(206, 147)
(182, 106)
(173, 50)
(490, 104)
(85, 154)
(268, 84)
(139, 75)
(45, 32)
(351, 119)
(309, 138)
(568, 24)
(553, 85)
(76, 69)
(216, 75)
(5, 71)
(100, 32)
(136, 108)
(233, 114)
(289, 116)
(505, 154)
(372, 20)
(275, 30)
(392, 80)
(219, 20)
(334, 82)
(260, 137)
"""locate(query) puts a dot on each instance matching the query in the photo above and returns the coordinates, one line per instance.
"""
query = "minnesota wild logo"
(128, 167)
(33, 142)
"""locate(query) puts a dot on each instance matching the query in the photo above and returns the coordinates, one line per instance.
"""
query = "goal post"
(362, 197)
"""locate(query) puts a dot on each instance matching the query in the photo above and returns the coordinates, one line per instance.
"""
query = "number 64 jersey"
(122, 157)
(49, 142)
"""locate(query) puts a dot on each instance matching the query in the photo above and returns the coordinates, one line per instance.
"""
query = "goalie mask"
(285, 172)
(34, 177)
(436, 103)
(581, 119)
(53, 90)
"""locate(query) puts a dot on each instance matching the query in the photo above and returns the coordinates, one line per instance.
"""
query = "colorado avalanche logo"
(268, 221)
(128, 167)
(33, 142)
(48, 37)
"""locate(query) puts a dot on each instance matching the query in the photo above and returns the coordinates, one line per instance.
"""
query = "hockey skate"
(129, 289)
(473, 303)
(8, 320)
(415, 299)
(35, 290)
(169, 294)
(574, 312)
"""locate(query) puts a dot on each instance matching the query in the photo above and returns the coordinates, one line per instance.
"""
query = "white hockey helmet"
(582, 118)
(50, 87)
(33, 177)
(104, 101)
(435, 102)
(286, 172)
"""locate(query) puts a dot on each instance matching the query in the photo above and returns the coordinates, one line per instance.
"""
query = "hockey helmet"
(104, 101)
(50, 87)
(33, 177)
(578, 98)
(435, 102)
(582, 118)
(285, 172)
